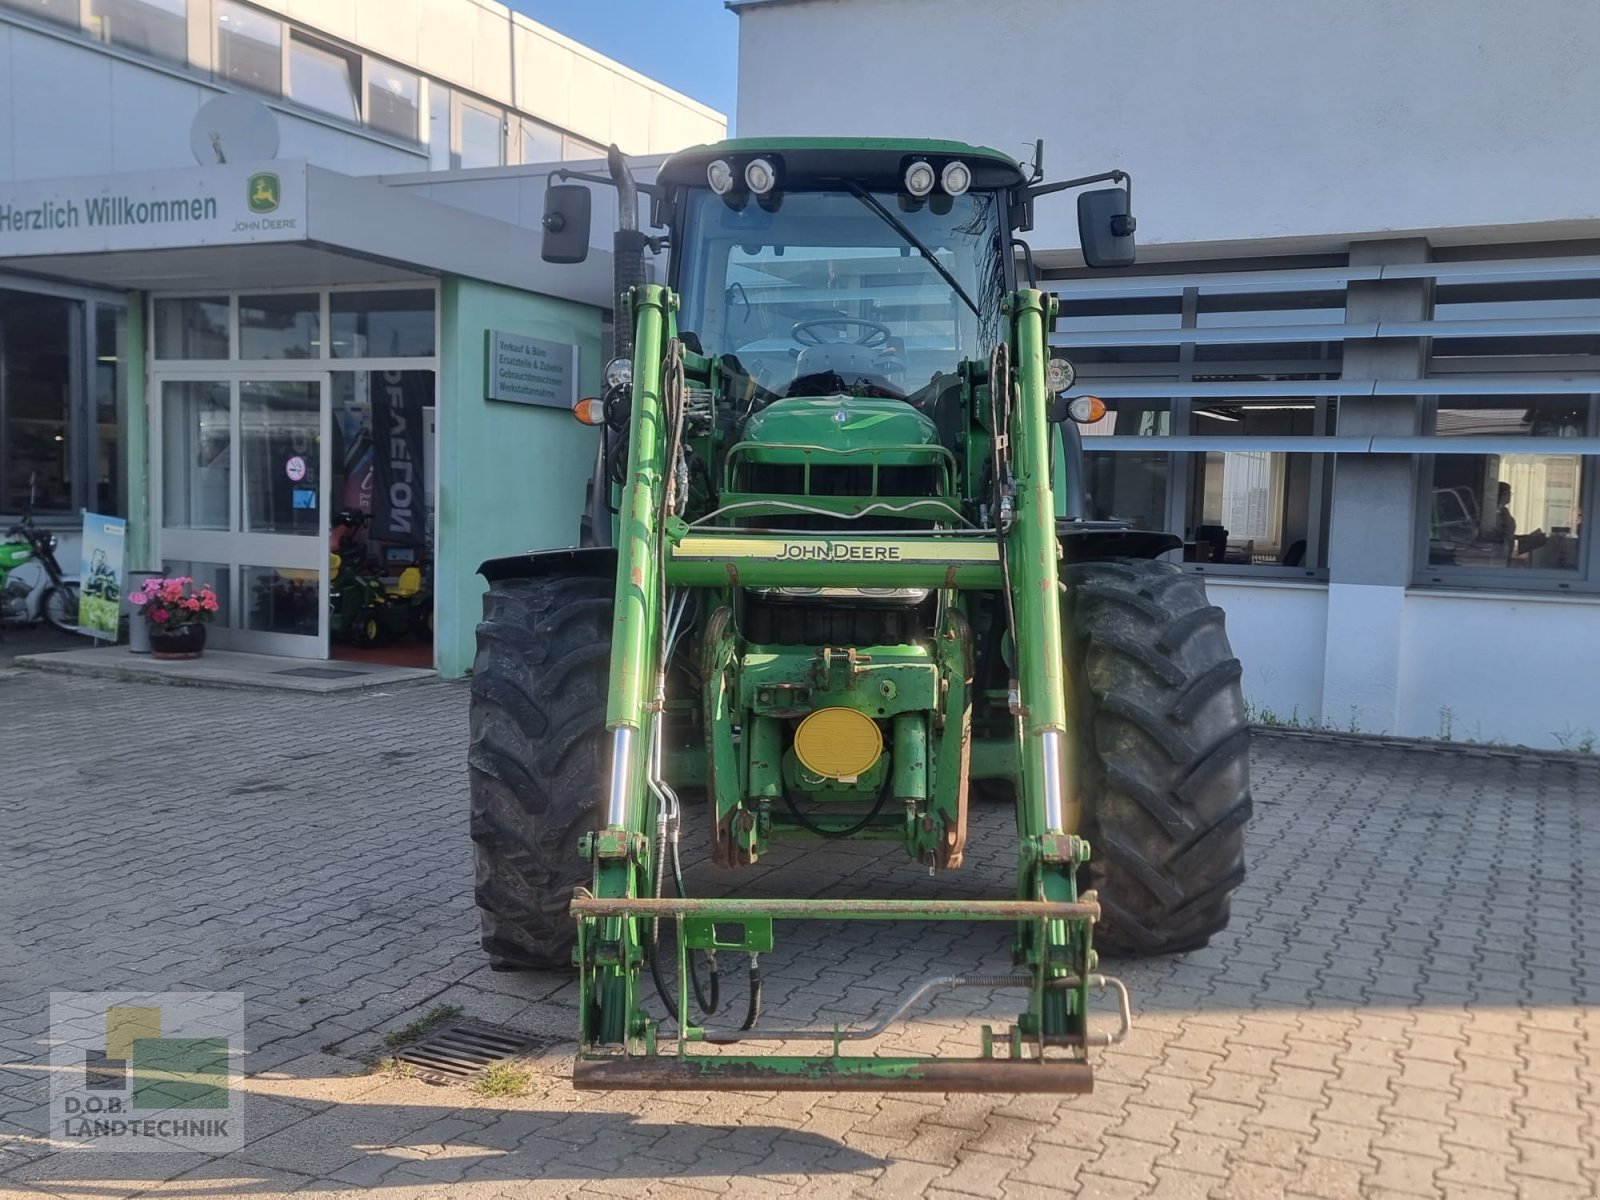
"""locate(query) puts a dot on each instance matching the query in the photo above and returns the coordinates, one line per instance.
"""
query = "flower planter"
(182, 641)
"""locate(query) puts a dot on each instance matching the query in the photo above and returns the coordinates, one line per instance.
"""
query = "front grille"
(828, 479)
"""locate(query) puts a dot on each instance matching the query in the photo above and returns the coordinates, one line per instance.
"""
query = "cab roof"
(871, 162)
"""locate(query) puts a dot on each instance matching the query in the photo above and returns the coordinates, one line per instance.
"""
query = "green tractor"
(836, 567)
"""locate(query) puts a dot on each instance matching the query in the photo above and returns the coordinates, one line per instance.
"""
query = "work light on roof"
(955, 178)
(720, 176)
(920, 178)
(759, 176)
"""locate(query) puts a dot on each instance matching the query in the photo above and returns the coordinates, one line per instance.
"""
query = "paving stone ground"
(1403, 1005)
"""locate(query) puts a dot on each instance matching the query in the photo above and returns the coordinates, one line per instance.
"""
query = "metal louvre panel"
(1465, 385)
(1420, 444)
(1240, 335)
(1503, 270)
(1244, 335)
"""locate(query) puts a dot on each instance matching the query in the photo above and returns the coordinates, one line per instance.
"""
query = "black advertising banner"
(399, 507)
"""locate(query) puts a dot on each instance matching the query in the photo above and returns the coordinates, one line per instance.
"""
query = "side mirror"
(565, 223)
(1105, 228)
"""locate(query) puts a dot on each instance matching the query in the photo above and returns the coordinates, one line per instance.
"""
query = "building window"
(540, 143)
(249, 48)
(382, 324)
(62, 12)
(1503, 513)
(36, 402)
(1241, 363)
(109, 492)
(324, 78)
(159, 28)
(1129, 486)
(195, 328)
(479, 136)
(1257, 507)
(393, 100)
(572, 148)
(280, 326)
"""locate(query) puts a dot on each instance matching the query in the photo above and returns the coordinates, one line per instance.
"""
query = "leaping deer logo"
(264, 192)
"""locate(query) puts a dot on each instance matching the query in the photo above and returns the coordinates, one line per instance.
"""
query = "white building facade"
(213, 333)
(1358, 364)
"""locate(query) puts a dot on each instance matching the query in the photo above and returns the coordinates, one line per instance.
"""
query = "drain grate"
(321, 673)
(462, 1051)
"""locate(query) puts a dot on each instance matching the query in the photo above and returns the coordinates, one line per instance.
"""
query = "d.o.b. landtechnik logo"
(146, 1070)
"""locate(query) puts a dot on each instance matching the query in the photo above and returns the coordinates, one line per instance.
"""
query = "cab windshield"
(823, 295)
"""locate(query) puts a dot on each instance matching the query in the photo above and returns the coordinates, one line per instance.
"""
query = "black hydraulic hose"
(701, 994)
(752, 1013)
(808, 823)
(710, 999)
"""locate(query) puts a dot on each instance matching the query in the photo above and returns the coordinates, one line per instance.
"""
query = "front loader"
(836, 570)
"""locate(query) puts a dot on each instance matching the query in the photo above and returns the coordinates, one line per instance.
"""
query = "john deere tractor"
(836, 577)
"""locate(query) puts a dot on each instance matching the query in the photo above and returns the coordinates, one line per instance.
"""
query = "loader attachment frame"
(658, 559)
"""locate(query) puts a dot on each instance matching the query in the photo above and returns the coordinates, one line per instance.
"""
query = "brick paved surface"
(1403, 1006)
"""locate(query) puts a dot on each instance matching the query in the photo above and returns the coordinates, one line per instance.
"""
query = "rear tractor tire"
(537, 760)
(1164, 753)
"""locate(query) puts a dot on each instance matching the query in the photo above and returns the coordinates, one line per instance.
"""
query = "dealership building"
(266, 264)
(1357, 366)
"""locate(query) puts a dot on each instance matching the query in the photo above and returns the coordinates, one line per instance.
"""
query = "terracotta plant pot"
(183, 641)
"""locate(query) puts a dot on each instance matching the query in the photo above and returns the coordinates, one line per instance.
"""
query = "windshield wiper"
(912, 240)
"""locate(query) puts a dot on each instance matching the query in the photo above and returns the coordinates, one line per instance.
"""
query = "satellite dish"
(233, 128)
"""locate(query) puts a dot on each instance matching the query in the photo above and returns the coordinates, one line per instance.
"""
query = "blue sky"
(692, 46)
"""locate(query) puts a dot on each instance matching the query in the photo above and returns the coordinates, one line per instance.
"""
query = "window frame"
(85, 24)
(81, 423)
(418, 137)
(1446, 576)
(219, 75)
(459, 103)
(355, 60)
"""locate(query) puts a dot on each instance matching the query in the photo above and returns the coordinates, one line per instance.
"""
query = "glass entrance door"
(243, 504)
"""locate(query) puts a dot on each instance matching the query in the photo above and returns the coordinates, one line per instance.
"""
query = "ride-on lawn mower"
(836, 566)
(365, 609)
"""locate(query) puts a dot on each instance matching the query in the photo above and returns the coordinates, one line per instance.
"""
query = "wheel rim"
(61, 608)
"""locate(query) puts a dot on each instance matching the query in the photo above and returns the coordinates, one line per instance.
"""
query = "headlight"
(619, 372)
(759, 176)
(956, 178)
(720, 176)
(1058, 375)
(919, 178)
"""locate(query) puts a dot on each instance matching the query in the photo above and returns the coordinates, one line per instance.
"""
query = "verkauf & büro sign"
(527, 370)
(152, 210)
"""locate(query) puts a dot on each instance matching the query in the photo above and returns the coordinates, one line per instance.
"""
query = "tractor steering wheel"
(874, 333)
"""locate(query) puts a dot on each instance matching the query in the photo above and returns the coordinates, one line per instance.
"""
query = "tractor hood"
(794, 429)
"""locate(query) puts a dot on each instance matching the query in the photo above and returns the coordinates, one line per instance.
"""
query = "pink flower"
(192, 604)
(138, 598)
(159, 616)
(209, 602)
(171, 590)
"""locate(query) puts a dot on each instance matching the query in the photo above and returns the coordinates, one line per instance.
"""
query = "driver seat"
(852, 361)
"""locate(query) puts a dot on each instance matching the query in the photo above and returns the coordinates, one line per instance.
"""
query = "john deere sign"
(204, 206)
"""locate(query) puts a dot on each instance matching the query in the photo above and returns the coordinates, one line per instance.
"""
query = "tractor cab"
(820, 286)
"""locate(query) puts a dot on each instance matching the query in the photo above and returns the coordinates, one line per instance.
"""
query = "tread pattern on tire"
(536, 760)
(1165, 752)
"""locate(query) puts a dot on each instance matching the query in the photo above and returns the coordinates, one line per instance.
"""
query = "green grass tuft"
(502, 1079)
(424, 1024)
